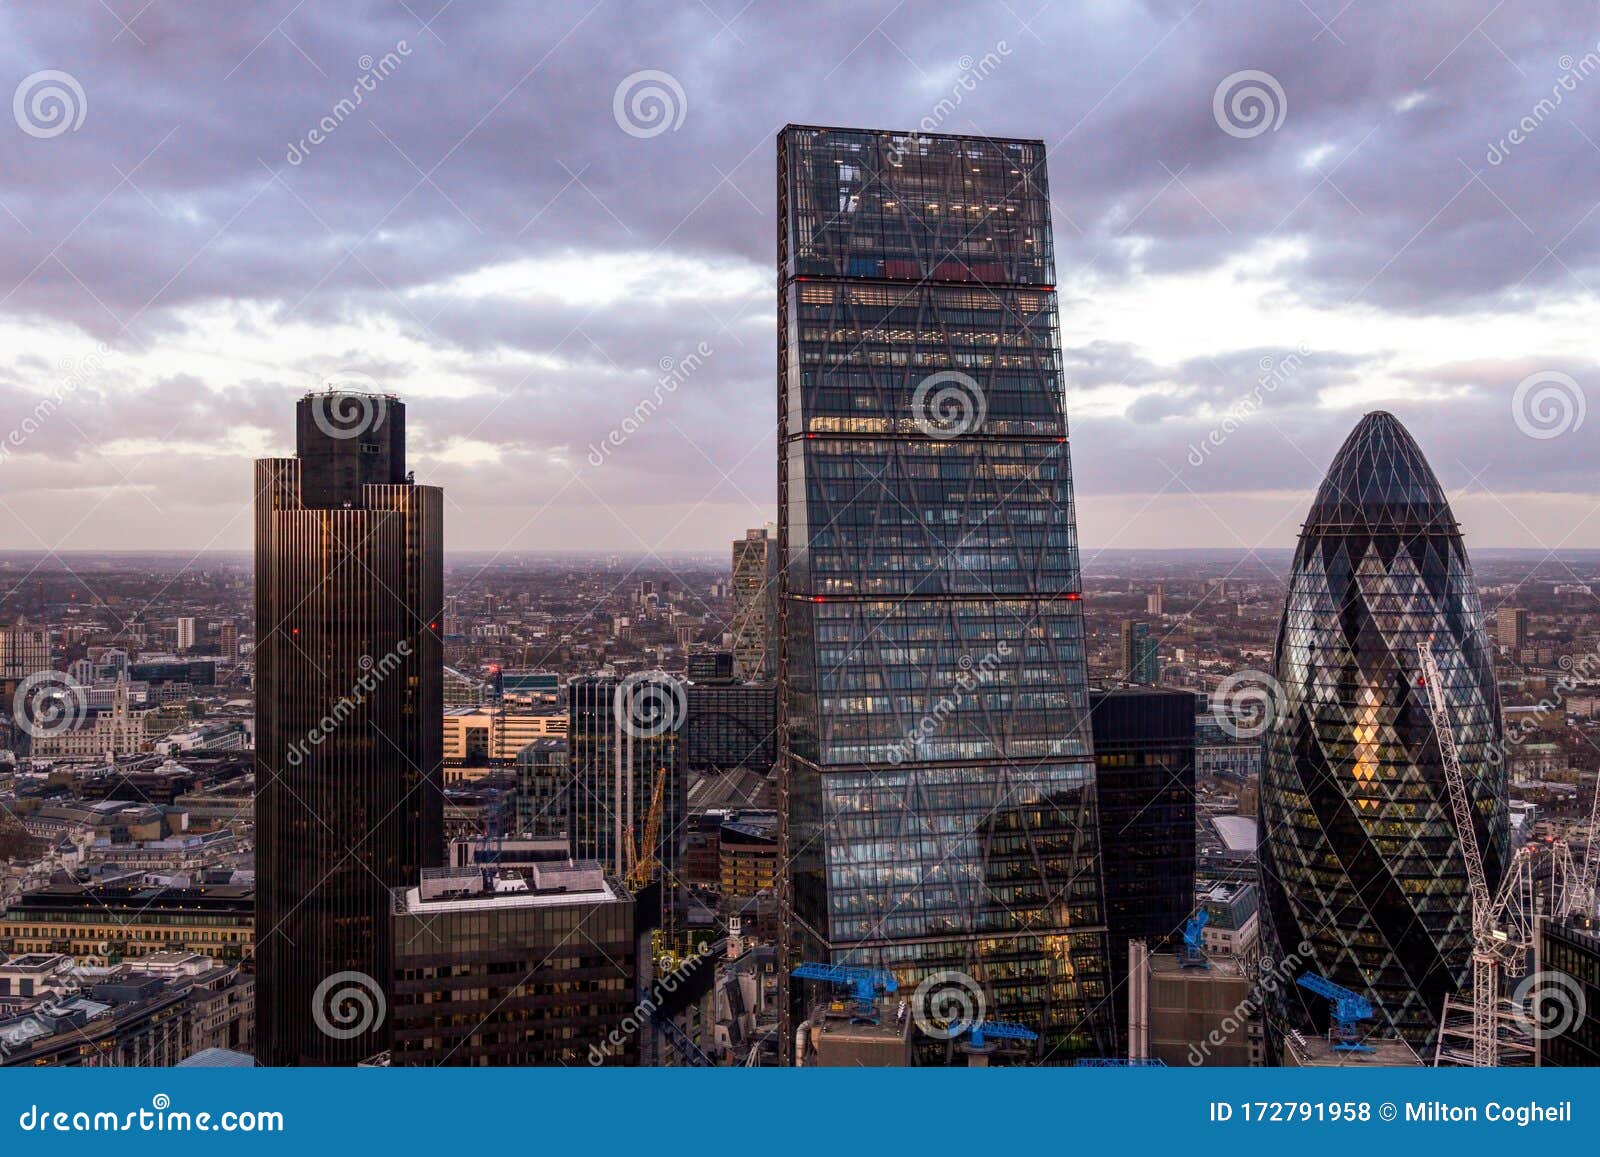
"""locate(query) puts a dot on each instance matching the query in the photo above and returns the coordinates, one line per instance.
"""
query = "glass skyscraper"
(936, 776)
(1144, 759)
(624, 738)
(1359, 855)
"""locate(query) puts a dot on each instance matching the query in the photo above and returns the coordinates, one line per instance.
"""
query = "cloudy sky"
(1395, 207)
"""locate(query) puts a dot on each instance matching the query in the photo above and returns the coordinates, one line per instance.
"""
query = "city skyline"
(641, 659)
(1376, 243)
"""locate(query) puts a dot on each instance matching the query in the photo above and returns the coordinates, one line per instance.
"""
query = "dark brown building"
(525, 966)
(349, 702)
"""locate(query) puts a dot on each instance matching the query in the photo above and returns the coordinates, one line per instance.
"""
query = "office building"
(476, 739)
(348, 679)
(501, 966)
(731, 726)
(929, 572)
(529, 687)
(628, 796)
(544, 785)
(1358, 851)
(1144, 762)
(747, 856)
(754, 569)
(1200, 1017)
(1511, 627)
(154, 1013)
(1567, 1003)
(106, 923)
(1233, 925)
(24, 650)
(710, 666)
(1155, 603)
(1141, 659)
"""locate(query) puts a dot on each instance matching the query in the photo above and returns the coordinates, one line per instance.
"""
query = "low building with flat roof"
(526, 965)
(106, 923)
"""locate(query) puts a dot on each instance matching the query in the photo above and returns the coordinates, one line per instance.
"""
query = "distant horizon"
(1088, 551)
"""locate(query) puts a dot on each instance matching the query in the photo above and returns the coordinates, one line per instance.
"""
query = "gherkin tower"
(1362, 872)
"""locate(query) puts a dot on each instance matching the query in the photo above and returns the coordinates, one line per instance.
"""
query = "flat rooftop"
(475, 890)
(1237, 832)
(1306, 1050)
(1166, 964)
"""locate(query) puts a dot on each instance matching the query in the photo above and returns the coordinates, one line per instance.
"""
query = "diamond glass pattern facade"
(1359, 855)
(936, 777)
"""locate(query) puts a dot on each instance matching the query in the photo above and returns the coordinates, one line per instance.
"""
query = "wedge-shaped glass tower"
(937, 779)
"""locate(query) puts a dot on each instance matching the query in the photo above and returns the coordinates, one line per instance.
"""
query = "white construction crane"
(1494, 945)
(1575, 894)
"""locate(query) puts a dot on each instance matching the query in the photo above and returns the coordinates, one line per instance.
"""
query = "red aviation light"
(1074, 596)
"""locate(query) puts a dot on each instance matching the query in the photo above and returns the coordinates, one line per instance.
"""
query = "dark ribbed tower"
(1359, 855)
(349, 717)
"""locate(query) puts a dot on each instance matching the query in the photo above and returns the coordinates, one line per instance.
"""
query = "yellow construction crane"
(642, 865)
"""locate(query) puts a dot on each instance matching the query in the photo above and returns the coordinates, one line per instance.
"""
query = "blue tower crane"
(998, 1030)
(1193, 954)
(866, 982)
(1347, 1010)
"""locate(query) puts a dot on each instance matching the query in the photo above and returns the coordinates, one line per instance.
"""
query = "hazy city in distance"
(856, 538)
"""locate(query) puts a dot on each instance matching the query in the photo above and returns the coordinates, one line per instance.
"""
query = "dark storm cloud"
(193, 203)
